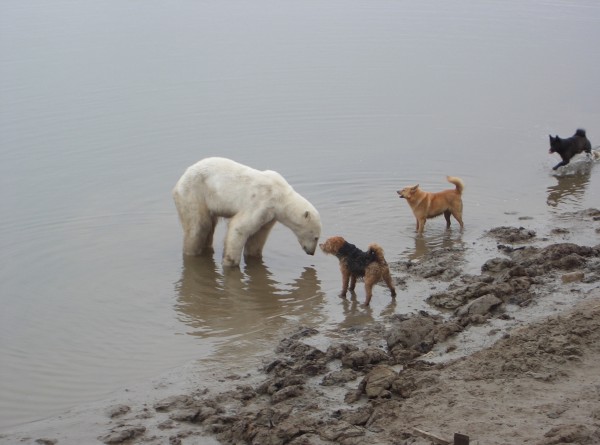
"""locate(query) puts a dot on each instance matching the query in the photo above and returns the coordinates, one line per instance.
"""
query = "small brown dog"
(429, 205)
(354, 264)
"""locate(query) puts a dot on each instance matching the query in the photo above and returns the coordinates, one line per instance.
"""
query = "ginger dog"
(429, 205)
(354, 264)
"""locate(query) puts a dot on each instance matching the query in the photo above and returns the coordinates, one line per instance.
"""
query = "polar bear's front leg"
(238, 233)
(254, 245)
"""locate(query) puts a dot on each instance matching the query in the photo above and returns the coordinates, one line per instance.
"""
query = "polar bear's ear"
(307, 215)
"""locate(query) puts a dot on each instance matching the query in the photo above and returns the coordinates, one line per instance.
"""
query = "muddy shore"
(533, 379)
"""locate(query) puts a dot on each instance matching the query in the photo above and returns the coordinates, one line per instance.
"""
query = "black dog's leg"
(560, 164)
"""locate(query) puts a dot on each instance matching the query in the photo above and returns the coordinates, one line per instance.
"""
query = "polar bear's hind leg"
(198, 225)
(208, 242)
(198, 235)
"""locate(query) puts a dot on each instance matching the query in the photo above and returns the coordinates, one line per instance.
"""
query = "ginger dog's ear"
(414, 189)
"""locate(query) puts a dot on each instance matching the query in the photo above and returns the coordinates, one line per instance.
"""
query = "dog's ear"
(414, 189)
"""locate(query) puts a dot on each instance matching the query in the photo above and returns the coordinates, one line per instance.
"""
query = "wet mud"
(378, 383)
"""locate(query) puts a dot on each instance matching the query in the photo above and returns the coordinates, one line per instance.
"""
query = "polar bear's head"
(299, 215)
(309, 230)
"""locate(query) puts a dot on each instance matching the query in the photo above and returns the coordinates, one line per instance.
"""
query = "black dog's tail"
(580, 132)
(375, 252)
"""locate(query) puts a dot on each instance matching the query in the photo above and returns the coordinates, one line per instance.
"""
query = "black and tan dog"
(354, 264)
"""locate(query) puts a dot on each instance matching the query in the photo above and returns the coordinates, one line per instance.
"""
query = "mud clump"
(578, 434)
(408, 337)
(442, 264)
(512, 234)
(122, 434)
(514, 279)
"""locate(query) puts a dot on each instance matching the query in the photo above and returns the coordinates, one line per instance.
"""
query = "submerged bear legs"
(242, 236)
(198, 224)
(235, 239)
(198, 235)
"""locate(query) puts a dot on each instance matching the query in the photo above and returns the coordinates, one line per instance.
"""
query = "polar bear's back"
(223, 173)
(226, 186)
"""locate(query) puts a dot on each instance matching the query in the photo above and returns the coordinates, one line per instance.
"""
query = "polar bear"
(253, 201)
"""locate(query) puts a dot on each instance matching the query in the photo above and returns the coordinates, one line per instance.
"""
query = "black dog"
(567, 148)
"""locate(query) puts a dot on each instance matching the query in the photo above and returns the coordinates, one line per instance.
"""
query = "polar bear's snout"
(310, 247)
(308, 229)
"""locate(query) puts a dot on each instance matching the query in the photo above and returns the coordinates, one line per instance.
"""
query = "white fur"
(253, 200)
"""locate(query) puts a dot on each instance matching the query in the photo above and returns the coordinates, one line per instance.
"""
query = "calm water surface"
(104, 105)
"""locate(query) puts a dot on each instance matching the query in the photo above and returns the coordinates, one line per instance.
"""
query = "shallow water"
(106, 104)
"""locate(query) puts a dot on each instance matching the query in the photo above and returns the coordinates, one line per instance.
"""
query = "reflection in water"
(357, 314)
(572, 182)
(425, 243)
(242, 307)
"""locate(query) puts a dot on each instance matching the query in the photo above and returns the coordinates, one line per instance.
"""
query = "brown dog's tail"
(376, 252)
(460, 185)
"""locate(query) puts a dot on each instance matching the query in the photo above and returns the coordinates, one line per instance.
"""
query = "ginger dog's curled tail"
(460, 185)
(376, 252)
